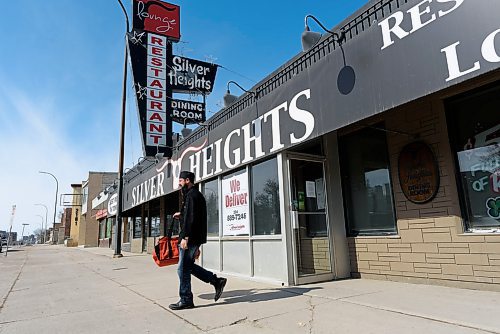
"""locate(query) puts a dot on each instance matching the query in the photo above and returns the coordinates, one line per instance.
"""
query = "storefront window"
(155, 226)
(211, 193)
(474, 128)
(102, 229)
(137, 227)
(108, 227)
(366, 183)
(265, 195)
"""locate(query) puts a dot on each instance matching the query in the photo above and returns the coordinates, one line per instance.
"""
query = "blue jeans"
(187, 267)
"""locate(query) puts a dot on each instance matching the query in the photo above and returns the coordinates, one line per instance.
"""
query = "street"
(52, 289)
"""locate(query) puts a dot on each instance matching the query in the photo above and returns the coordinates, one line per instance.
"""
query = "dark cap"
(187, 175)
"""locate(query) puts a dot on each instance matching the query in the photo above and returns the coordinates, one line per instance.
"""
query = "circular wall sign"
(418, 172)
(113, 205)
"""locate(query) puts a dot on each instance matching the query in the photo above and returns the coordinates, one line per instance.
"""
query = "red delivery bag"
(166, 252)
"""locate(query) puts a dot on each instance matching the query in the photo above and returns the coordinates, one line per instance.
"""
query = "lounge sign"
(157, 17)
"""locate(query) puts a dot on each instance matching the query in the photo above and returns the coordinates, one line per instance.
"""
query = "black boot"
(180, 305)
(219, 284)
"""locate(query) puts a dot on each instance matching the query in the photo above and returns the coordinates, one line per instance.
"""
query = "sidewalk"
(52, 289)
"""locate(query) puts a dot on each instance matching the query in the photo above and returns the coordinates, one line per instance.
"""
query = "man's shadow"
(256, 295)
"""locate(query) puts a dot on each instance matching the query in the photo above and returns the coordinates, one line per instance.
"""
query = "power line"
(239, 74)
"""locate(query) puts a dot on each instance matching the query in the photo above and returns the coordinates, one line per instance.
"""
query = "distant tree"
(38, 233)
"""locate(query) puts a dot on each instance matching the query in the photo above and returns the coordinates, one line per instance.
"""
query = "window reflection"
(367, 183)
(211, 193)
(265, 192)
(155, 226)
(137, 227)
(476, 142)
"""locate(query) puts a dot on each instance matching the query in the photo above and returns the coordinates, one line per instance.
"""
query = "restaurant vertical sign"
(156, 25)
(157, 74)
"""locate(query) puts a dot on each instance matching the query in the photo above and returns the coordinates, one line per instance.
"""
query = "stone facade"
(431, 245)
(315, 255)
(136, 245)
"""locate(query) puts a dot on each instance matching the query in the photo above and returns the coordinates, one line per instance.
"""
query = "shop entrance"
(309, 219)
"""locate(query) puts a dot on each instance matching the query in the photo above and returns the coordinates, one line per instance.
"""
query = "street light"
(230, 98)
(310, 38)
(55, 203)
(118, 234)
(22, 234)
(46, 213)
(43, 231)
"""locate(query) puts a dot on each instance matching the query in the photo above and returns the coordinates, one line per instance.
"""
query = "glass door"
(309, 220)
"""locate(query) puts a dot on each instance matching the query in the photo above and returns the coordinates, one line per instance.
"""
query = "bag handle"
(170, 228)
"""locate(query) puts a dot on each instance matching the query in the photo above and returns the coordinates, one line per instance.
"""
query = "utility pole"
(55, 203)
(46, 214)
(22, 234)
(42, 230)
(10, 229)
(118, 234)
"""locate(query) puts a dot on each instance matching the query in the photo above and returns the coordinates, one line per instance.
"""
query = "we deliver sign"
(235, 206)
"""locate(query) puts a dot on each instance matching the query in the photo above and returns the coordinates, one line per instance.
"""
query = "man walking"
(193, 222)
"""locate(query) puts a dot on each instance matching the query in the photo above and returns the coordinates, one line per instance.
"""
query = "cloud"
(32, 139)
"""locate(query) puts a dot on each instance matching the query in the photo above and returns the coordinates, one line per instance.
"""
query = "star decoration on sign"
(141, 91)
(210, 59)
(136, 38)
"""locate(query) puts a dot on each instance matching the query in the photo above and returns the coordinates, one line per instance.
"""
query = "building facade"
(375, 156)
(76, 210)
(89, 226)
(106, 218)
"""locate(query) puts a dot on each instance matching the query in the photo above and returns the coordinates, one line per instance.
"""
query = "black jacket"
(193, 218)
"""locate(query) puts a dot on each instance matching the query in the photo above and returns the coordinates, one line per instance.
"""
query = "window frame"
(252, 199)
(344, 185)
(134, 219)
(451, 124)
(219, 205)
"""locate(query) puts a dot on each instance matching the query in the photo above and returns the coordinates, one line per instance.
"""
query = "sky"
(61, 70)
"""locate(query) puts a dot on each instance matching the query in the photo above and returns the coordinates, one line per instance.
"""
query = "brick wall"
(431, 246)
(66, 221)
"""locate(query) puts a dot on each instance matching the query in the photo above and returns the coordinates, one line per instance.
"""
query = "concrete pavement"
(52, 289)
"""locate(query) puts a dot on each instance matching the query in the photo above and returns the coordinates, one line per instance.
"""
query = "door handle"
(294, 219)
